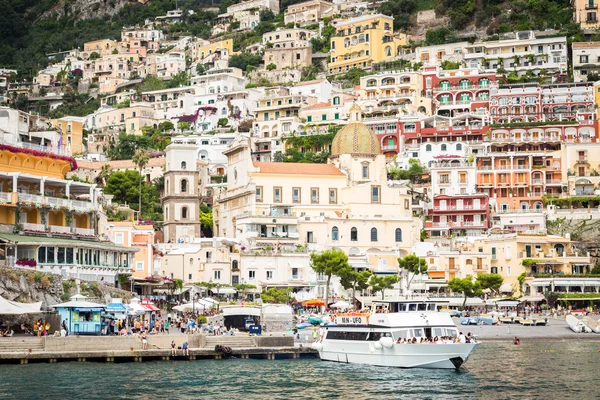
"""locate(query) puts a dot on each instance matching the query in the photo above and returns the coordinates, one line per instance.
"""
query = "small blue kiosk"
(82, 316)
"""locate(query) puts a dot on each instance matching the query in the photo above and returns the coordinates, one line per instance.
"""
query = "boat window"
(437, 332)
(431, 307)
(412, 307)
(336, 335)
(452, 332)
(422, 307)
(401, 307)
(403, 334)
(374, 336)
(418, 332)
(428, 332)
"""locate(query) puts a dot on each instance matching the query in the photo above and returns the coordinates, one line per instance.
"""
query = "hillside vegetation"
(30, 29)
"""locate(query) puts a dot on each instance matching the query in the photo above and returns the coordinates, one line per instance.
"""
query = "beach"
(555, 329)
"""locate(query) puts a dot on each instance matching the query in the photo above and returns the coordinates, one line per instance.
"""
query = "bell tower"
(182, 194)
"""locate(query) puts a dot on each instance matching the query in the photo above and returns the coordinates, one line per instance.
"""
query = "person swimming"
(516, 341)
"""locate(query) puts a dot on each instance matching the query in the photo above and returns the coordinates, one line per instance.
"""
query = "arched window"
(373, 234)
(183, 165)
(494, 270)
(444, 147)
(335, 233)
(458, 146)
(354, 234)
(184, 212)
(428, 147)
(398, 235)
(234, 264)
(223, 111)
(184, 186)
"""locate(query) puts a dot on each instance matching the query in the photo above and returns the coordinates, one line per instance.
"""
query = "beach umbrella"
(340, 304)
(313, 303)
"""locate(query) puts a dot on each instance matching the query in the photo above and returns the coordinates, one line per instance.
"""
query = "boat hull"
(438, 356)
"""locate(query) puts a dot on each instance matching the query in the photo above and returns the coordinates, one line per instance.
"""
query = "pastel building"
(50, 224)
(346, 204)
(361, 41)
(523, 52)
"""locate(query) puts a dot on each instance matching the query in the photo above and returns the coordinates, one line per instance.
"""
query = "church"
(346, 204)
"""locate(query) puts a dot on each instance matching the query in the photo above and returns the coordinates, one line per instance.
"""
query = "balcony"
(84, 206)
(54, 202)
(33, 227)
(581, 160)
(31, 198)
(5, 197)
(58, 202)
(591, 7)
(390, 147)
(66, 230)
(83, 231)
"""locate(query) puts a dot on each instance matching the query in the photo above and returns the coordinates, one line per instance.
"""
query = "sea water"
(497, 370)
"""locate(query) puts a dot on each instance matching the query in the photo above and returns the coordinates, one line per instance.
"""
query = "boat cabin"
(395, 306)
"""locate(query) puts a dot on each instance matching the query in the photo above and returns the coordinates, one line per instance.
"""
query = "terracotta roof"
(318, 105)
(586, 45)
(120, 164)
(297, 169)
(310, 82)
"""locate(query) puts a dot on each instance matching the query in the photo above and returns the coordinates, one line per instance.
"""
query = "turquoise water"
(497, 370)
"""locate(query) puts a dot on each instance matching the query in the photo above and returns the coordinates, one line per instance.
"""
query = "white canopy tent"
(8, 307)
(341, 304)
(197, 305)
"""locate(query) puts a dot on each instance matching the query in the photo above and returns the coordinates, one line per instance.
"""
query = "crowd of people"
(438, 339)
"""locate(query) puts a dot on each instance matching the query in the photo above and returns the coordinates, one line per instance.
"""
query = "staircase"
(235, 342)
(19, 344)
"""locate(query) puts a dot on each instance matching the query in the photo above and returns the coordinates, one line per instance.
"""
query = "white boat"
(592, 324)
(374, 338)
(576, 325)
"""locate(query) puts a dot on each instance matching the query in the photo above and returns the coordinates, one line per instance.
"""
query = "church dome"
(355, 138)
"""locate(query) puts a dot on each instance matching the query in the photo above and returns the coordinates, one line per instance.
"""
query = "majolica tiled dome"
(355, 138)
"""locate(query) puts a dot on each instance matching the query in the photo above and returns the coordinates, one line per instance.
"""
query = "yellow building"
(360, 42)
(102, 47)
(204, 48)
(585, 13)
(72, 133)
(48, 223)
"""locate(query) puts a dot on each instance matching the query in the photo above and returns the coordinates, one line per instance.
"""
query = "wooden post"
(24, 361)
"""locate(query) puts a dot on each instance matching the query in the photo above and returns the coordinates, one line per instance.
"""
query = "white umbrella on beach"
(340, 304)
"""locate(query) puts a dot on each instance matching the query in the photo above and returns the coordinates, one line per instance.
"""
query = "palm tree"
(140, 159)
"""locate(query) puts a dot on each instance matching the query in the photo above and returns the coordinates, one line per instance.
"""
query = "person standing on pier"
(144, 341)
(65, 325)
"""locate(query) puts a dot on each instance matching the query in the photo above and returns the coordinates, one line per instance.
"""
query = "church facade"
(346, 204)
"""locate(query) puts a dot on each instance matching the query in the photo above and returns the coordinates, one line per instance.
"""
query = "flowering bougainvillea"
(39, 153)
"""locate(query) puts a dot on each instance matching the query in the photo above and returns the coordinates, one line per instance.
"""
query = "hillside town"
(206, 167)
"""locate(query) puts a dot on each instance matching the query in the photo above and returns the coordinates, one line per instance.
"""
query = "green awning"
(50, 241)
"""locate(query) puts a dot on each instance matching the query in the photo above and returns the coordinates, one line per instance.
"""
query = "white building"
(585, 60)
(520, 51)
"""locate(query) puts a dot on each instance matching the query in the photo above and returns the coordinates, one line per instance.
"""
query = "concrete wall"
(95, 343)
(274, 341)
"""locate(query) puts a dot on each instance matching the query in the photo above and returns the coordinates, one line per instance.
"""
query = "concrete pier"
(26, 350)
